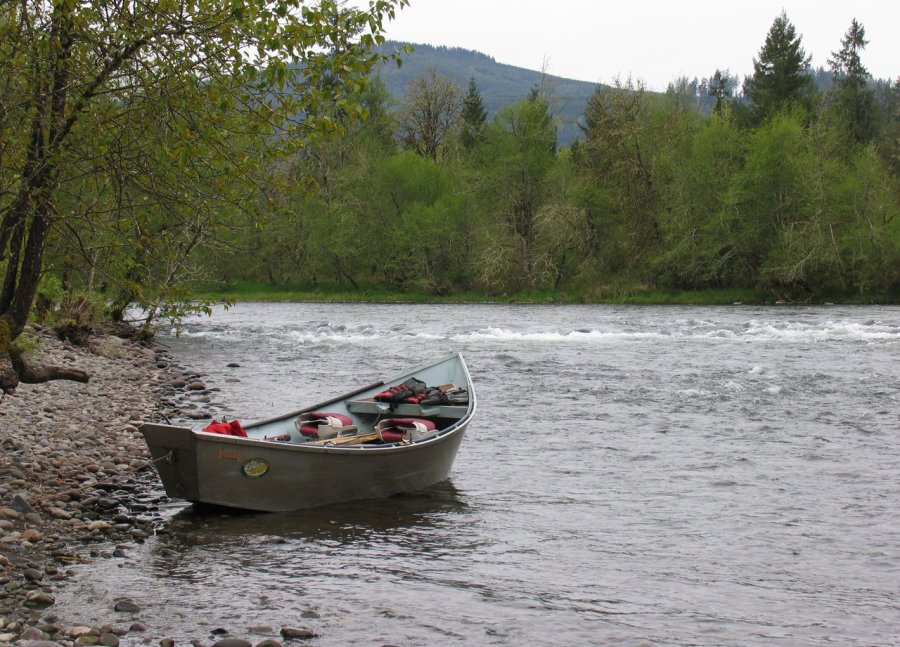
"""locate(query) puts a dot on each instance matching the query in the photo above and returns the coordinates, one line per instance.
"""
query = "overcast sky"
(653, 40)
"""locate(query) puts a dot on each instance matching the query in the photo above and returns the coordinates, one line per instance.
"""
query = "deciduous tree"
(518, 154)
(618, 153)
(429, 113)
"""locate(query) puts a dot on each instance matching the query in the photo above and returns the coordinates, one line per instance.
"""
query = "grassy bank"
(380, 294)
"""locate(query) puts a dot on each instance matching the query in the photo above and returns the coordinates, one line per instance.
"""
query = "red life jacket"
(232, 428)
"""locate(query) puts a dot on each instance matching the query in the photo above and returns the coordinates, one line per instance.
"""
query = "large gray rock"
(32, 633)
(126, 606)
(109, 640)
(269, 642)
(39, 599)
(20, 504)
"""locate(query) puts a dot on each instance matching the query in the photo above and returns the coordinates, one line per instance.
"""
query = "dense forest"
(776, 186)
(144, 155)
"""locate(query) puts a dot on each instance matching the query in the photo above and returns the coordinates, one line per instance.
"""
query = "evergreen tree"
(473, 116)
(719, 88)
(542, 119)
(887, 97)
(853, 101)
(781, 75)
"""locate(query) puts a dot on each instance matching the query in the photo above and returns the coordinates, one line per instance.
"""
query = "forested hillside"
(500, 85)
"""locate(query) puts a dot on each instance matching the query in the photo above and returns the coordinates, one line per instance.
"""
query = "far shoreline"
(256, 292)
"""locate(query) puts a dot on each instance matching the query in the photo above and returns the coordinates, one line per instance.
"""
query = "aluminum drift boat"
(356, 452)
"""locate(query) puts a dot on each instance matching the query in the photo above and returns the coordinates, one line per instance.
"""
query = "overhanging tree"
(72, 69)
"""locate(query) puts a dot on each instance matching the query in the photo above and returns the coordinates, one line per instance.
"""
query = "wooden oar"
(348, 440)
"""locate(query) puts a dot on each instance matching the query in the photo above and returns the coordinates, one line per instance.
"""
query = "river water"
(634, 475)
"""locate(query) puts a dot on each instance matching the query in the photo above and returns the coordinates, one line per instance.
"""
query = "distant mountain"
(500, 85)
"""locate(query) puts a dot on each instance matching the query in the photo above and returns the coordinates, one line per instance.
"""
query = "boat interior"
(383, 413)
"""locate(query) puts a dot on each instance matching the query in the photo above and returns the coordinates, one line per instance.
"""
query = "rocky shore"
(75, 483)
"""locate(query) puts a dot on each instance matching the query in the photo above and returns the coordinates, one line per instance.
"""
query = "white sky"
(653, 40)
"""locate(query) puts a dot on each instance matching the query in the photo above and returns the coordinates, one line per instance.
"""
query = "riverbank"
(611, 295)
(243, 291)
(76, 483)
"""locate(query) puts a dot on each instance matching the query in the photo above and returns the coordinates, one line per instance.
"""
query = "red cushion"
(394, 431)
(310, 427)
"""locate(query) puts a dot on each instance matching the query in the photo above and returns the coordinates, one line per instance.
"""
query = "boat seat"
(370, 406)
(395, 430)
(324, 424)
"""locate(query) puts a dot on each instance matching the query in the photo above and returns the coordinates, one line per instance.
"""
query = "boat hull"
(240, 473)
(276, 469)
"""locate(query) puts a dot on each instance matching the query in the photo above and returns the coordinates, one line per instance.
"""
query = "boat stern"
(174, 454)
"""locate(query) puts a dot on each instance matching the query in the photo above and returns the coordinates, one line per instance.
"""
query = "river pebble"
(297, 632)
(74, 471)
(127, 606)
(109, 640)
(233, 642)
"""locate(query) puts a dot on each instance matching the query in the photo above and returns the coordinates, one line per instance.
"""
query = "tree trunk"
(9, 379)
(30, 273)
(33, 207)
(32, 213)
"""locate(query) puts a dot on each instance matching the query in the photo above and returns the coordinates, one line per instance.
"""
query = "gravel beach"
(75, 478)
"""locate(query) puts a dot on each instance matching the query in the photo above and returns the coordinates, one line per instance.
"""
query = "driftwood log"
(15, 370)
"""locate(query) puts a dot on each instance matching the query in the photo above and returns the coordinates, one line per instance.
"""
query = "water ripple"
(635, 475)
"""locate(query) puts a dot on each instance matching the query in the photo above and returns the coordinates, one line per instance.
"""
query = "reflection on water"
(344, 523)
(336, 564)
